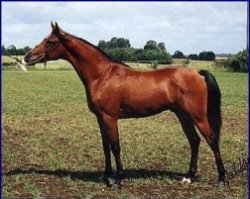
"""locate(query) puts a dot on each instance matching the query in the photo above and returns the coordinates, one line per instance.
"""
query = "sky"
(190, 27)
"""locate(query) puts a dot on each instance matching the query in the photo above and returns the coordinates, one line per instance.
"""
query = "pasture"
(52, 145)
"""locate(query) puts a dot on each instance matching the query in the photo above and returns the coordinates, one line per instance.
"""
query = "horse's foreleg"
(112, 128)
(106, 149)
(193, 139)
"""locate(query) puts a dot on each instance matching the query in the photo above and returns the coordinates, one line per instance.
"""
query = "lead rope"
(19, 64)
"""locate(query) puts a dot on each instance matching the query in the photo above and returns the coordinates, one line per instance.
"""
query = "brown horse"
(115, 90)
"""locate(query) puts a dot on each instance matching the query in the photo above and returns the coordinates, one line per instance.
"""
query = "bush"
(193, 56)
(178, 54)
(154, 64)
(186, 62)
(207, 56)
(121, 54)
(238, 62)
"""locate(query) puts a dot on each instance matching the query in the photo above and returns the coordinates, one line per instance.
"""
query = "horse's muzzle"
(31, 60)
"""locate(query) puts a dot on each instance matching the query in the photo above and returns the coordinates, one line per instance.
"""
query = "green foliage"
(193, 56)
(154, 64)
(151, 45)
(235, 63)
(102, 44)
(121, 54)
(114, 43)
(119, 49)
(178, 54)
(162, 46)
(12, 50)
(238, 62)
(207, 56)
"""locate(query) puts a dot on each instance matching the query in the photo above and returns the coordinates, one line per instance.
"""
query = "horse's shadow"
(96, 176)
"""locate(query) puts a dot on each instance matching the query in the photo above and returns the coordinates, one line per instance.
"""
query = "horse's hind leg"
(213, 141)
(193, 139)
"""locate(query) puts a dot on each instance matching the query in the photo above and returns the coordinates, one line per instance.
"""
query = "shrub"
(193, 56)
(186, 62)
(207, 56)
(238, 62)
(154, 64)
(178, 54)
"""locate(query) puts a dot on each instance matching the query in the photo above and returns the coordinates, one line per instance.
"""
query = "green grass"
(63, 65)
(196, 64)
(52, 145)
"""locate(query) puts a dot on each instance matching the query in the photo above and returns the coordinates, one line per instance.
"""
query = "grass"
(63, 65)
(52, 146)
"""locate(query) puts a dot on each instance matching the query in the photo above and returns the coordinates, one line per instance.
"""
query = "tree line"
(204, 55)
(120, 49)
(12, 50)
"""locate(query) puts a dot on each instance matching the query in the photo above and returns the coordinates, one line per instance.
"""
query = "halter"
(43, 55)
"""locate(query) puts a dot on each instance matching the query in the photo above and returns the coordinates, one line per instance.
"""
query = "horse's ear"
(56, 28)
(52, 25)
(58, 31)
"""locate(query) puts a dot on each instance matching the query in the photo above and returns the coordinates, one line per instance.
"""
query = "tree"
(193, 56)
(119, 49)
(123, 43)
(113, 42)
(207, 55)
(162, 46)
(26, 49)
(178, 54)
(3, 50)
(151, 45)
(102, 44)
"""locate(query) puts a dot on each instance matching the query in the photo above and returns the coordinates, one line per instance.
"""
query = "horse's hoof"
(106, 181)
(116, 186)
(186, 180)
(223, 183)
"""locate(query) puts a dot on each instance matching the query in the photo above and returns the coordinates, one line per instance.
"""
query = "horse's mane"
(100, 50)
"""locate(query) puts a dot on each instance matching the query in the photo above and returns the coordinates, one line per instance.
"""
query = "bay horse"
(114, 91)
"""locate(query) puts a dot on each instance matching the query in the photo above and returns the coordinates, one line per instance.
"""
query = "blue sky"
(190, 27)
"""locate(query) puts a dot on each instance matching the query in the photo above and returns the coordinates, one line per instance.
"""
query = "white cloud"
(185, 26)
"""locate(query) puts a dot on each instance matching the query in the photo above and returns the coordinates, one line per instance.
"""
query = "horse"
(115, 90)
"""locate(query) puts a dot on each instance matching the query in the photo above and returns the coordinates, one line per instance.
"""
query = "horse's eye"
(49, 43)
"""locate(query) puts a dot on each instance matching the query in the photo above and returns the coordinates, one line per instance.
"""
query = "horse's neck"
(88, 61)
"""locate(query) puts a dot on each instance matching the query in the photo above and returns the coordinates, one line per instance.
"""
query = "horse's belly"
(147, 104)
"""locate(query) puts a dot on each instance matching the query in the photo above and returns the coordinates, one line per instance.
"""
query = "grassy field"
(63, 65)
(52, 146)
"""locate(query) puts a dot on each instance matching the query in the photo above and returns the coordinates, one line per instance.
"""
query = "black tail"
(213, 104)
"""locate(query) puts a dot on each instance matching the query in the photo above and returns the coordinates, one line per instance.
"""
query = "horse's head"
(49, 49)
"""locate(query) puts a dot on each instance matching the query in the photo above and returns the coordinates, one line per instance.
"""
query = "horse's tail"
(213, 104)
